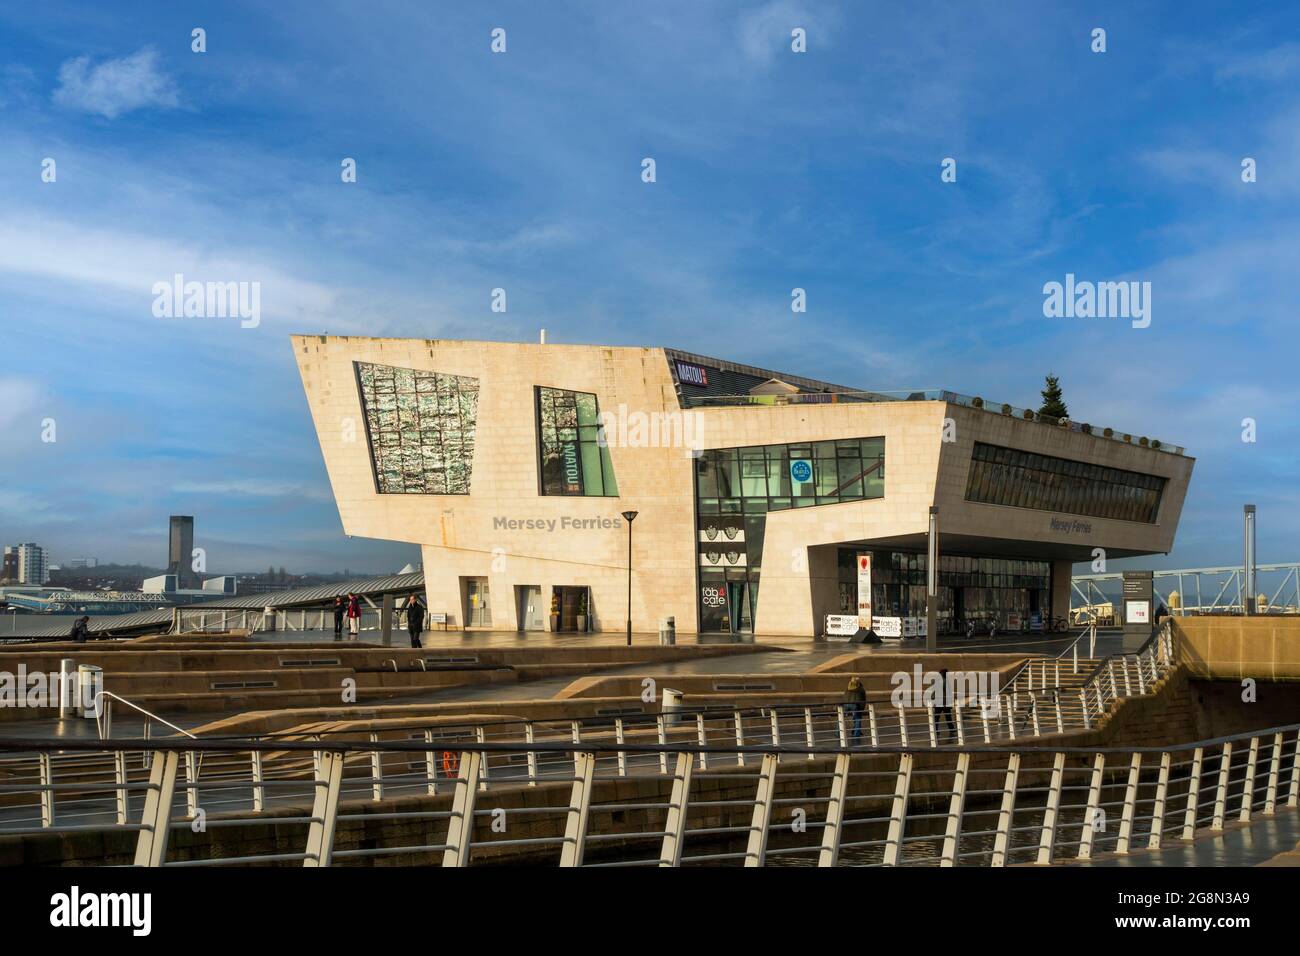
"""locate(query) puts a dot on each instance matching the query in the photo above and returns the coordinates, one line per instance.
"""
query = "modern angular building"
(757, 492)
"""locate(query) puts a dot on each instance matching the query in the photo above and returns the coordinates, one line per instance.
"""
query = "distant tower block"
(180, 550)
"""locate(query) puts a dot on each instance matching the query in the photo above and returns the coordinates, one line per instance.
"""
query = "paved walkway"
(1257, 843)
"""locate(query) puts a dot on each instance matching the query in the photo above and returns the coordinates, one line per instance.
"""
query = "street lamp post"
(629, 516)
(932, 583)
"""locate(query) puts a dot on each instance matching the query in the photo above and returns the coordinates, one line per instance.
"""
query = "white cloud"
(117, 86)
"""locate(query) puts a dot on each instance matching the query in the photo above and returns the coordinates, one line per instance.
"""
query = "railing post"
(1002, 842)
(191, 776)
(259, 791)
(902, 725)
(984, 716)
(1033, 710)
(47, 791)
(1060, 718)
(871, 724)
(1274, 768)
(776, 729)
(929, 720)
(756, 849)
(840, 723)
(1093, 807)
(830, 851)
(1101, 702)
(1128, 688)
(1292, 798)
(675, 827)
(575, 827)
(1130, 805)
(119, 778)
(956, 808)
(481, 736)
(740, 738)
(1083, 707)
(898, 811)
(1047, 838)
(460, 828)
(661, 731)
(431, 764)
(961, 725)
(1158, 811)
(1221, 792)
(620, 737)
(1193, 794)
(1248, 785)
(1142, 681)
(808, 730)
(324, 810)
(530, 739)
(702, 737)
(376, 770)
(1110, 668)
(155, 821)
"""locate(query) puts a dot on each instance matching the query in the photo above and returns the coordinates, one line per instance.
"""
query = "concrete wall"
(1265, 647)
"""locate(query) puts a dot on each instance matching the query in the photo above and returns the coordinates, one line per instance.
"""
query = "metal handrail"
(204, 745)
(152, 716)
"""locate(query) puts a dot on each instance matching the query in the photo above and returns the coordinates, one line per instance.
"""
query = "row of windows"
(573, 460)
(1005, 476)
(420, 427)
(777, 477)
(955, 570)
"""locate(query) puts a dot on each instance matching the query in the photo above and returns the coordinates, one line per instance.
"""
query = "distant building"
(83, 563)
(27, 564)
(180, 552)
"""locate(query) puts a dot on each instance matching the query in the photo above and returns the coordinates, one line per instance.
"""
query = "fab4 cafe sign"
(864, 591)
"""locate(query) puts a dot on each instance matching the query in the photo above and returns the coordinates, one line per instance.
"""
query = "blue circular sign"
(801, 471)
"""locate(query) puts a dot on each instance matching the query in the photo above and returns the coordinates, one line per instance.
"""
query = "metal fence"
(713, 804)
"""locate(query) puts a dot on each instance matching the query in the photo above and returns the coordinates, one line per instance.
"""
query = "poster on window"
(864, 590)
(1137, 612)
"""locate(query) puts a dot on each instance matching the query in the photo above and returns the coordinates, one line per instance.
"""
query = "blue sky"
(522, 170)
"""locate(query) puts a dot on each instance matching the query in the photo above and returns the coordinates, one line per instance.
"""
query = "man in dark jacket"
(339, 609)
(415, 619)
(81, 629)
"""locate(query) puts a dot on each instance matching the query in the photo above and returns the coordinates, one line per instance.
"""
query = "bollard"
(668, 630)
(672, 706)
(90, 681)
(67, 688)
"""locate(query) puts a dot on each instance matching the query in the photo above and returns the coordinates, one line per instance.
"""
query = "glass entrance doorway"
(479, 605)
(529, 603)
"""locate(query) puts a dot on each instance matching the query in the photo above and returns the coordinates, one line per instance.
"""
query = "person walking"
(415, 619)
(339, 610)
(855, 700)
(943, 707)
(354, 617)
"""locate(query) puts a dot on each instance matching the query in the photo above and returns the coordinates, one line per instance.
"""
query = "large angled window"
(573, 460)
(420, 426)
(1021, 479)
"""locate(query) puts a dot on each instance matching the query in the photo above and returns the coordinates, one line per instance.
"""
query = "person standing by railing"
(854, 703)
(354, 617)
(943, 706)
(339, 610)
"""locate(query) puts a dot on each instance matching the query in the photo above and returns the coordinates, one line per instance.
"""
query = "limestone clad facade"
(493, 555)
